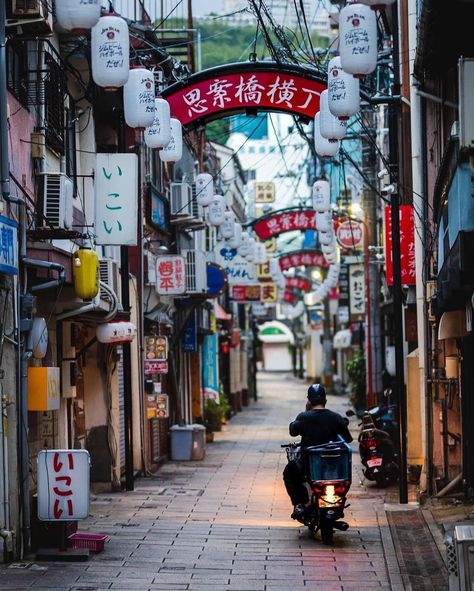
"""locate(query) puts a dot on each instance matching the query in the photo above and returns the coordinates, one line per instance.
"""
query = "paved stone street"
(223, 523)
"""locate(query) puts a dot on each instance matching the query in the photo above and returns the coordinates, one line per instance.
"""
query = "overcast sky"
(201, 7)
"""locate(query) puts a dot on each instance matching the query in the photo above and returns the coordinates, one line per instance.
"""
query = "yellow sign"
(264, 272)
(269, 293)
(264, 192)
(43, 388)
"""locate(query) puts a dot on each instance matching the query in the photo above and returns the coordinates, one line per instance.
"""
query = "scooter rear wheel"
(327, 535)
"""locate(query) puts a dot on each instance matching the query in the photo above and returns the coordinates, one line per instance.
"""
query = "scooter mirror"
(350, 413)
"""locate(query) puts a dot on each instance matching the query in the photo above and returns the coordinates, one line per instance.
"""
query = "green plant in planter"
(212, 415)
(224, 404)
(357, 380)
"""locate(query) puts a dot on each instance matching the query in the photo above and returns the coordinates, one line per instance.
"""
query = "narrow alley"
(223, 523)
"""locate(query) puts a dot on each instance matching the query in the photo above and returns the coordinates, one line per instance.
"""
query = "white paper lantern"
(227, 228)
(261, 257)
(324, 148)
(321, 194)
(358, 40)
(204, 189)
(244, 247)
(173, 151)
(236, 239)
(217, 210)
(343, 90)
(252, 253)
(158, 134)
(333, 257)
(328, 248)
(331, 127)
(38, 338)
(139, 98)
(77, 16)
(324, 221)
(110, 49)
(116, 332)
(325, 237)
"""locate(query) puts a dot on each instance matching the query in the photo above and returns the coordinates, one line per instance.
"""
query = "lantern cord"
(167, 16)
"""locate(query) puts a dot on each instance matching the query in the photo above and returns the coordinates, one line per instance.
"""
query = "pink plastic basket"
(94, 542)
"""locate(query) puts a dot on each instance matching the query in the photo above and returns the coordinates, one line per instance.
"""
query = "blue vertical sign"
(189, 335)
(8, 246)
(210, 374)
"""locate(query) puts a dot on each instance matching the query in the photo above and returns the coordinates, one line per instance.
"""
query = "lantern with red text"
(110, 48)
(358, 39)
(324, 148)
(116, 333)
(343, 90)
(139, 98)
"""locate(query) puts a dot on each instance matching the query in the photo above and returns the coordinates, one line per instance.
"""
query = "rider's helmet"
(317, 394)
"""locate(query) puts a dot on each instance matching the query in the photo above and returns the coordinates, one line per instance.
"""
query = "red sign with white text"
(285, 221)
(246, 293)
(298, 283)
(289, 297)
(350, 234)
(407, 245)
(261, 88)
(303, 258)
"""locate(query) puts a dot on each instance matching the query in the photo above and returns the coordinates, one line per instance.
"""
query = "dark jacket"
(319, 425)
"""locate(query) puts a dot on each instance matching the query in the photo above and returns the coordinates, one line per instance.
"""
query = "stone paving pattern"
(223, 524)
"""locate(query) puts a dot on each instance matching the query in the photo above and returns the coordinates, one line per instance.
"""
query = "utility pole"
(126, 347)
(393, 125)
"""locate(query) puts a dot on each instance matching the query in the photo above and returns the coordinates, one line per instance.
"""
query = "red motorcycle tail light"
(371, 442)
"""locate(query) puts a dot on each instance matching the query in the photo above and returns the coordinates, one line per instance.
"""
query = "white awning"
(275, 332)
(342, 339)
(452, 325)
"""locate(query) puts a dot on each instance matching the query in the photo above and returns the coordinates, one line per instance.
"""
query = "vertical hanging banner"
(116, 186)
(210, 373)
(357, 289)
(189, 335)
(407, 245)
(63, 484)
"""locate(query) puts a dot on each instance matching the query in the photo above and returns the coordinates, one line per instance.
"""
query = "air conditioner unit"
(34, 15)
(109, 274)
(181, 196)
(55, 196)
(68, 363)
(196, 272)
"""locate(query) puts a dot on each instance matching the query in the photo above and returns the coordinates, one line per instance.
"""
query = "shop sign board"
(63, 484)
(239, 271)
(246, 293)
(264, 192)
(8, 246)
(116, 183)
(259, 87)
(156, 348)
(269, 293)
(210, 373)
(357, 289)
(303, 258)
(170, 275)
(285, 220)
(189, 335)
(350, 234)
(264, 272)
(407, 245)
(152, 366)
(162, 406)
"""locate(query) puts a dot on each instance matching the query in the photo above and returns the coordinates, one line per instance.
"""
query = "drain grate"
(127, 524)
(184, 492)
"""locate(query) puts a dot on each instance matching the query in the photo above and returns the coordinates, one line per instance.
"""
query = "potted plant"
(357, 381)
(212, 415)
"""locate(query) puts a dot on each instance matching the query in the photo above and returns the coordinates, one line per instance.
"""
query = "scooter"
(376, 445)
(328, 471)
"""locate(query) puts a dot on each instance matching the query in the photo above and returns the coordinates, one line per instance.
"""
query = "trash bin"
(188, 442)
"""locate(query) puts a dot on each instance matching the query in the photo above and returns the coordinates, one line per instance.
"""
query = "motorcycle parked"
(328, 471)
(376, 445)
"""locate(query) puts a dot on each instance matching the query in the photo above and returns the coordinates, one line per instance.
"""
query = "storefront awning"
(452, 325)
(275, 332)
(221, 314)
(342, 339)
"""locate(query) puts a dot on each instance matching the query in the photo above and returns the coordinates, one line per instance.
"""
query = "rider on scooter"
(316, 425)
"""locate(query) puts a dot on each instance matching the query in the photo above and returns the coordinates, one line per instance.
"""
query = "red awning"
(221, 314)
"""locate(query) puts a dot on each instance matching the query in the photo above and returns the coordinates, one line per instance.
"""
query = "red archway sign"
(302, 258)
(246, 87)
(284, 220)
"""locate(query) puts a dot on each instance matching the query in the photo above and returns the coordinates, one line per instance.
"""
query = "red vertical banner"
(407, 245)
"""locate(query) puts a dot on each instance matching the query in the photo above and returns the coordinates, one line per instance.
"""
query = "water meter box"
(329, 462)
(188, 442)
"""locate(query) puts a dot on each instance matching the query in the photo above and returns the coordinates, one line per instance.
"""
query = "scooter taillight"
(370, 442)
